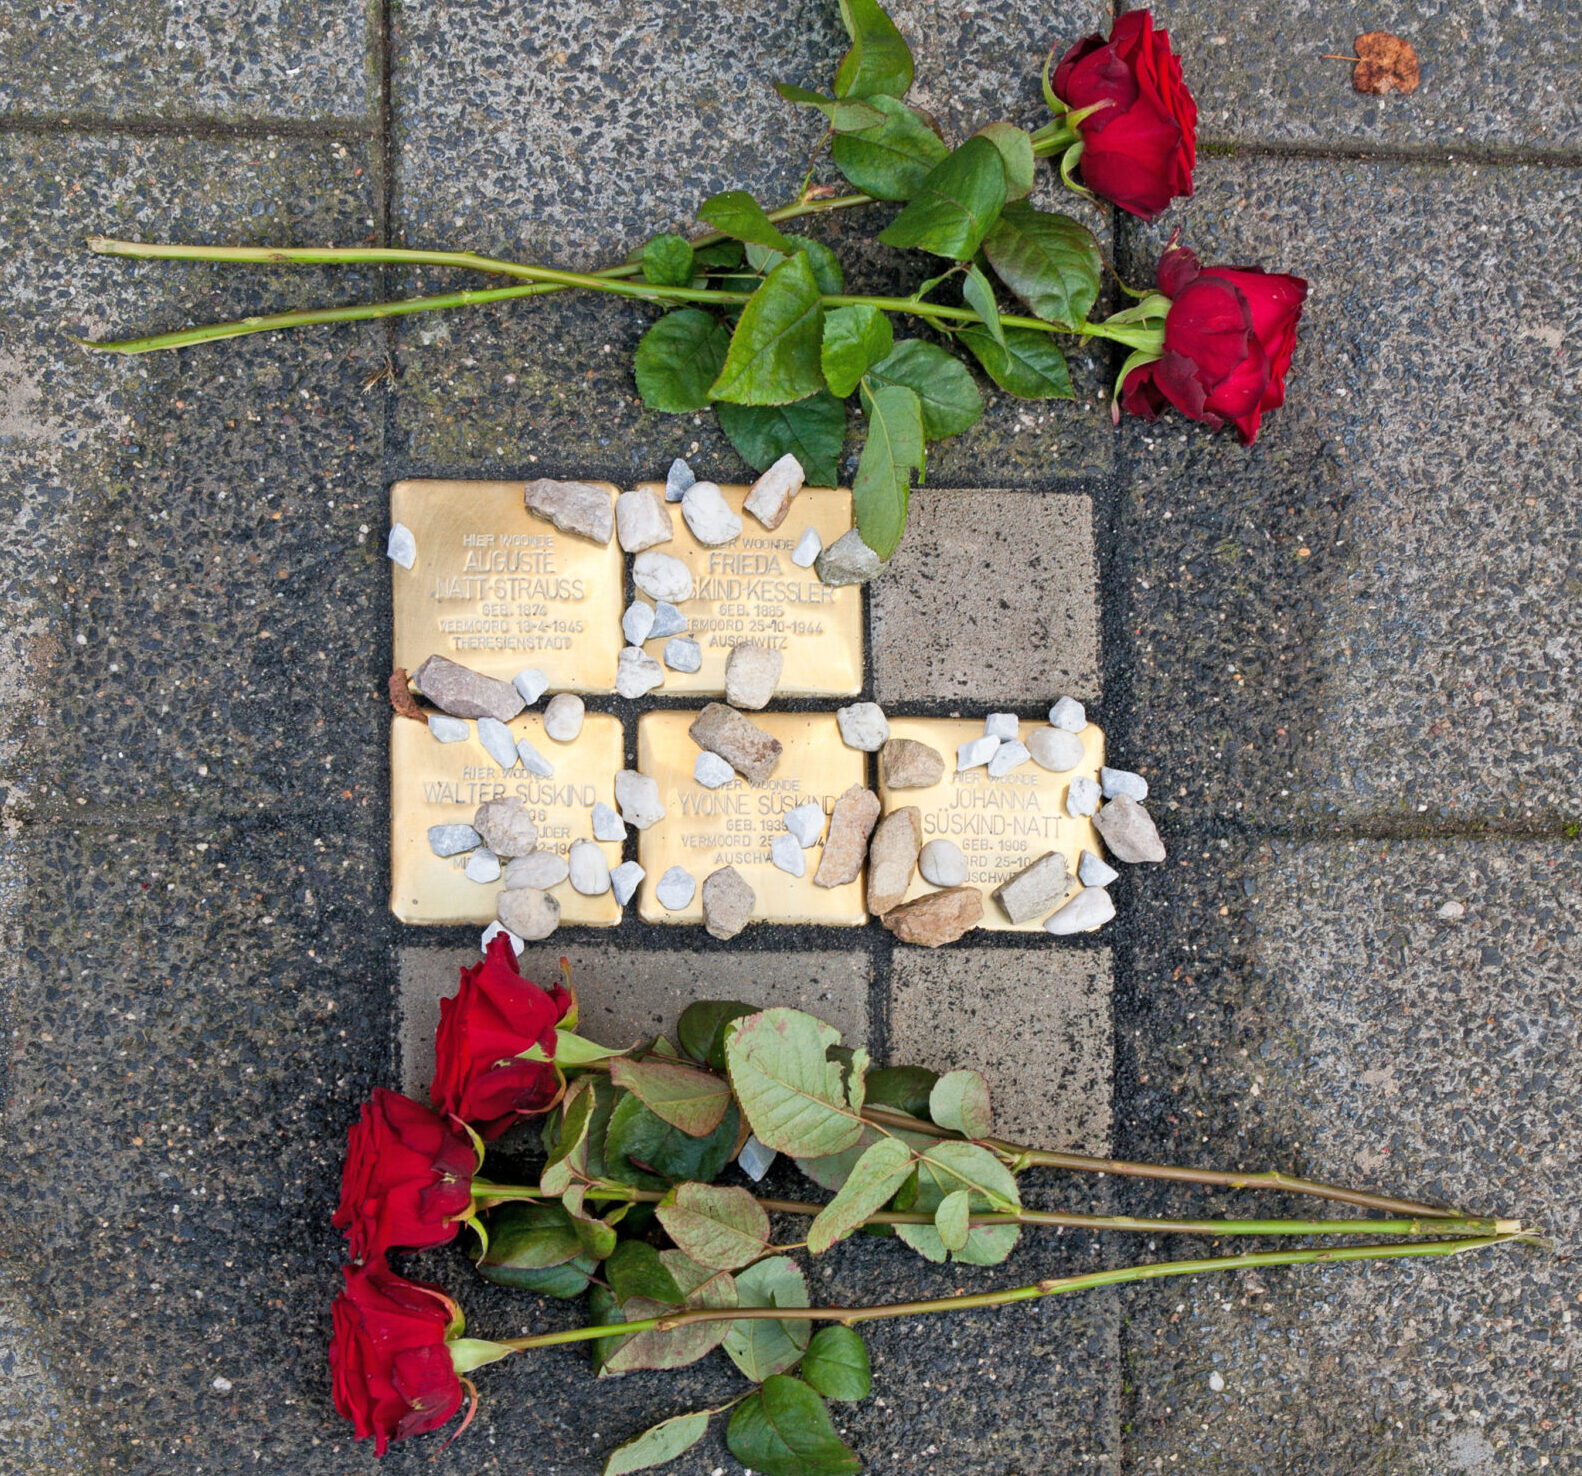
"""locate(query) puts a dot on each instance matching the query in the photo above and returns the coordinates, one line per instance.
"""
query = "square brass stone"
(750, 592)
(1001, 825)
(434, 783)
(705, 829)
(500, 590)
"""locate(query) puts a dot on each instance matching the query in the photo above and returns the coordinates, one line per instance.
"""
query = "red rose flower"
(1138, 150)
(495, 1016)
(392, 1373)
(1229, 336)
(408, 1175)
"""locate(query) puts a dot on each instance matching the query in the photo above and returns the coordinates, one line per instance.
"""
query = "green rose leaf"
(836, 1364)
(960, 1102)
(774, 352)
(530, 1236)
(700, 1287)
(951, 401)
(950, 1220)
(843, 114)
(892, 452)
(667, 261)
(1029, 366)
(679, 358)
(569, 1147)
(980, 298)
(719, 1227)
(943, 1169)
(682, 1095)
(645, 1151)
(737, 214)
(873, 1179)
(760, 1347)
(892, 159)
(827, 271)
(726, 254)
(701, 1029)
(879, 60)
(813, 430)
(1016, 154)
(903, 1088)
(956, 206)
(855, 339)
(635, 1270)
(785, 1430)
(658, 1444)
(791, 1092)
(1049, 261)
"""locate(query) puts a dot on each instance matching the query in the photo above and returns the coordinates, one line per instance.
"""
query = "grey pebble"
(668, 621)
(1001, 725)
(1009, 755)
(589, 868)
(452, 840)
(975, 751)
(542, 869)
(497, 740)
(1092, 872)
(863, 726)
(448, 729)
(676, 888)
(1123, 781)
(642, 520)
(563, 717)
(465, 693)
(529, 912)
(483, 866)
(711, 771)
(785, 850)
(755, 1160)
(401, 546)
(682, 653)
(806, 823)
(1129, 831)
(710, 518)
(677, 480)
(637, 798)
(624, 881)
(1069, 715)
(728, 903)
(531, 684)
(1082, 797)
(1055, 749)
(637, 673)
(637, 623)
(943, 864)
(848, 560)
(808, 547)
(506, 827)
(1091, 908)
(662, 576)
(607, 825)
(532, 760)
(583, 508)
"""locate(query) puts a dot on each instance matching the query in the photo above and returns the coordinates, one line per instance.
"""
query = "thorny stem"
(1052, 1286)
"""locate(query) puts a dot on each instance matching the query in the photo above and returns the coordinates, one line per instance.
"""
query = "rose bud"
(1228, 340)
(407, 1183)
(497, 1015)
(392, 1373)
(1138, 122)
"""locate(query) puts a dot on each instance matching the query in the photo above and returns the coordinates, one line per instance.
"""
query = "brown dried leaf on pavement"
(402, 700)
(1384, 62)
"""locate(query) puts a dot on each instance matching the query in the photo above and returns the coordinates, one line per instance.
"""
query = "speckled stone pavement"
(1347, 660)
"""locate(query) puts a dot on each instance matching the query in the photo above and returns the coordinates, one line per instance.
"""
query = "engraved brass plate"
(499, 590)
(1001, 825)
(705, 829)
(749, 591)
(434, 783)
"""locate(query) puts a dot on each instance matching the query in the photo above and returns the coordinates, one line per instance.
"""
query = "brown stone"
(892, 857)
(727, 903)
(936, 917)
(584, 508)
(465, 693)
(850, 824)
(1128, 830)
(740, 742)
(907, 764)
(528, 912)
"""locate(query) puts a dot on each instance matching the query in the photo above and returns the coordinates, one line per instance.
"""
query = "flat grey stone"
(1001, 725)
(942, 864)
(637, 622)
(1068, 715)
(851, 822)
(493, 931)
(1082, 797)
(755, 1160)
(401, 546)
(583, 508)
(506, 827)
(728, 903)
(709, 516)
(465, 693)
(677, 480)
(749, 750)
(1055, 749)
(806, 823)
(1007, 756)
(662, 577)
(785, 850)
(808, 547)
(848, 560)
(1034, 889)
(751, 674)
(711, 771)
(908, 764)
(531, 684)
(607, 825)
(1092, 872)
(769, 499)
(497, 742)
(448, 729)
(975, 752)
(637, 673)
(1089, 910)
(529, 912)
(1123, 781)
(892, 857)
(452, 840)
(532, 760)
(863, 726)
(563, 717)
(682, 653)
(668, 621)
(637, 797)
(625, 880)
(541, 869)
(642, 520)
(588, 868)
(675, 888)
(1128, 831)
(483, 866)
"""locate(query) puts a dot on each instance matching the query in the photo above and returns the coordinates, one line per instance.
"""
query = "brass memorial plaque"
(500, 590)
(705, 829)
(749, 592)
(434, 783)
(1001, 824)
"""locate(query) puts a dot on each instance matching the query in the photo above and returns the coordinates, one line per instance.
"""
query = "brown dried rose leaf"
(1384, 62)
(402, 700)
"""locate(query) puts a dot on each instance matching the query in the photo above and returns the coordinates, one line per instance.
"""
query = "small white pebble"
(493, 931)
(483, 866)
(448, 729)
(1001, 725)
(808, 547)
(530, 684)
(711, 771)
(786, 853)
(607, 825)
(1216, 1381)
(221, 1383)
(402, 549)
(975, 751)
(624, 880)
(532, 760)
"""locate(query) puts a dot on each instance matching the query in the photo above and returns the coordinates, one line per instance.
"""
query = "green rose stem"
(1053, 1286)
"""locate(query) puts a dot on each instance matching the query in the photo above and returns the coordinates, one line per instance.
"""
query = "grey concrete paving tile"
(1372, 612)
(36, 1428)
(295, 60)
(191, 529)
(1493, 76)
(992, 597)
(626, 994)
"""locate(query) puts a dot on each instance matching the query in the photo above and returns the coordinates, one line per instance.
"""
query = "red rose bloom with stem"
(407, 1182)
(392, 1372)
(496, 1016)
(1135, 119)
(1228, 339)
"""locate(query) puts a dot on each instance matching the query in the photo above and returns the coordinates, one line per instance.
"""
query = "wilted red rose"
(408, 1174)
(392, 1373)
(495, 1016)
(1140, 149)
(1229, 336)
